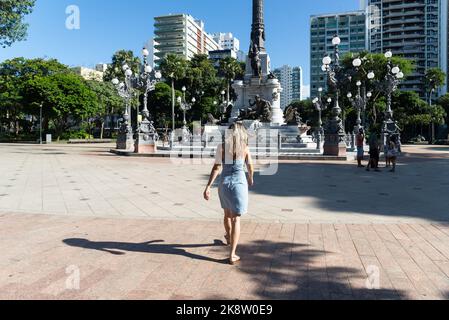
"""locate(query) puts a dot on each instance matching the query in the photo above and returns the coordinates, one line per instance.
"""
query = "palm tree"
(229, 68)
(434, 79)
(173, 67)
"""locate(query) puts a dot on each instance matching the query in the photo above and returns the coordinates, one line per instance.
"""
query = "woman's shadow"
(156, 246)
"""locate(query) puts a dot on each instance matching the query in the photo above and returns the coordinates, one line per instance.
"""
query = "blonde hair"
(235, 142)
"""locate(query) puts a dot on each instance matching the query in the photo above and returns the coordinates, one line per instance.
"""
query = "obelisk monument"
(258, 80)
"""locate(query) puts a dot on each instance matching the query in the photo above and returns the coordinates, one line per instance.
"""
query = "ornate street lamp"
(125, 90)
(185, 107)
(224, 105)
(359, 103)
(334, 144)
(320, 106)
(146, 81)
(388, 86)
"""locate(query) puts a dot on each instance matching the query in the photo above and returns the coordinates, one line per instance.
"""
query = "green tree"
(119, 59)
(159, 104)
(14, 75)
(66, 99)
(434, 79)
(12, 26)
(108, 101)
(376, 63)
(443, 101)
(229, 69)
(173, 68)
(200, 74)
(415, 116)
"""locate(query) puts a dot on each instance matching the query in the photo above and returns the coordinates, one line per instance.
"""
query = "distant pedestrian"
(374, 153)
(360, 144)
(232, 157)
(392, 152)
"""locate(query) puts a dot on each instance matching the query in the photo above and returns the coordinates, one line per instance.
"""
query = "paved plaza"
(77, 222)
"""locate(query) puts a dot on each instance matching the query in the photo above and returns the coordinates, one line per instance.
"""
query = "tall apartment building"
(351, 28)
(291, 83)
(150, 46)
(181, 34)
(297, 84)
(227, 41)
(414, 29)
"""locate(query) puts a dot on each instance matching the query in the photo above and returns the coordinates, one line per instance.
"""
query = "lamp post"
(224, 105)
(388, 86)
(359, 102)
(185, 107)
(125, 90)
(40, 122)
(320, 106)
(147, 136)
(362, 96)
(146, 81)
(334, 144)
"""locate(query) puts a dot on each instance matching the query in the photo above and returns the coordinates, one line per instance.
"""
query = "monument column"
(258, 25)
(258, 79)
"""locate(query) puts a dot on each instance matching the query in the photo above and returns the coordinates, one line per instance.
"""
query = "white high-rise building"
(414, 29)
(292, 84)
(183, 35)
(227, 41)
(150, 46)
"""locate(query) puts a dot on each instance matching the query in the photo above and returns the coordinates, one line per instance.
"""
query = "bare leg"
(393, 161)
(228, 226)
(235, 237)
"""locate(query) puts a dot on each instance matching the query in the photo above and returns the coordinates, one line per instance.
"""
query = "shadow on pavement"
(273, 270)
(415, 191)
(156, 246)
(287, 271)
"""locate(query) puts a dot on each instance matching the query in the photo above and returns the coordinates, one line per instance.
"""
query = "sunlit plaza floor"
(138, 228)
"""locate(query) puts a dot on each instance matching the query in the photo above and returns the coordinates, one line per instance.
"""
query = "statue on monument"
(256, 65)
(293, 116)
(261, 112)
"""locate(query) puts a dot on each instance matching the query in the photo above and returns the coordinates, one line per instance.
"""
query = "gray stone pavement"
(88, 181)
(79, 223)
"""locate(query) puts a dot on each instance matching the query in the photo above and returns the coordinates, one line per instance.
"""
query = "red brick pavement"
(142, 259)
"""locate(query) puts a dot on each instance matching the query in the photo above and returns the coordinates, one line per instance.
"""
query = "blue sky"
(110, 25)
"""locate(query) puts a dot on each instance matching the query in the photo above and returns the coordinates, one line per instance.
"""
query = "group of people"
(391, 149)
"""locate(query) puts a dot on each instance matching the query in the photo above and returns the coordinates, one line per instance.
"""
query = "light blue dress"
(233, 187)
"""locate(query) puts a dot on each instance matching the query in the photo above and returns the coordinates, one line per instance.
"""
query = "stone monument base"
(265, 87)
(333, 146)
(145, 143)
(125, 141)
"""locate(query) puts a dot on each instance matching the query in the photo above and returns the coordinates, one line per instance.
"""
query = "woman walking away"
(392, 153)
(360, 142)
(231, 159)
(374, 153)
